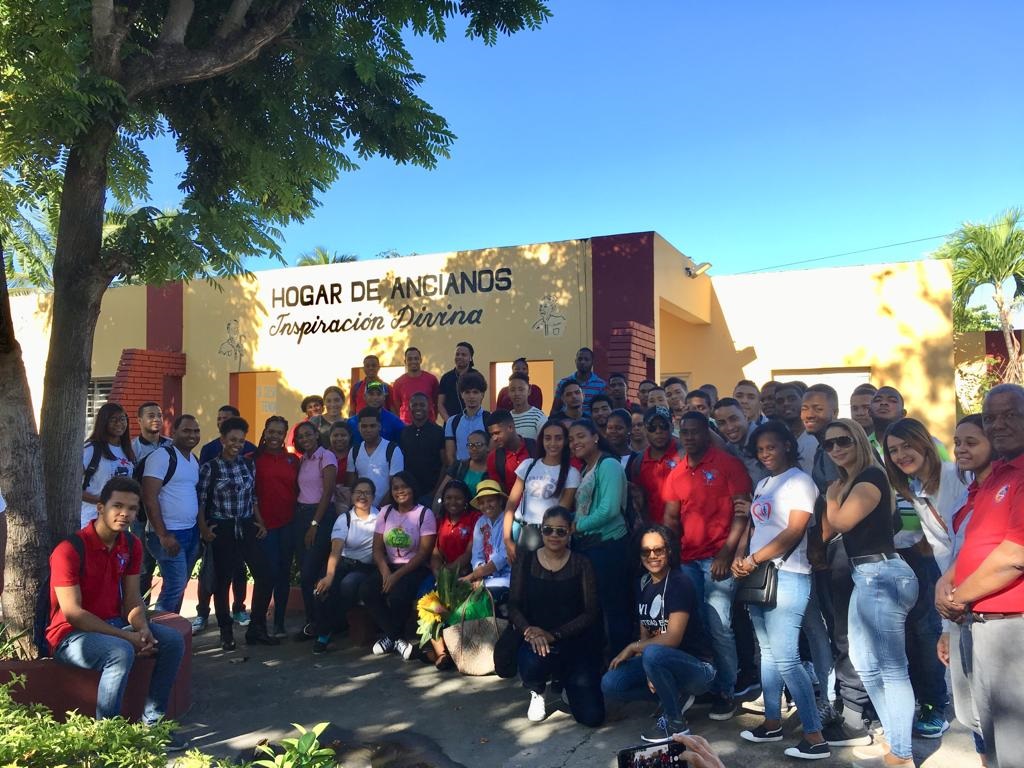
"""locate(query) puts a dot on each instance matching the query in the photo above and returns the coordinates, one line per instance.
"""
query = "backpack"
(388, 452)
(457, 419)
(140, 471)
(94, 464)
(500, 455)
(631, 516)
(387, 511)
(43, 611)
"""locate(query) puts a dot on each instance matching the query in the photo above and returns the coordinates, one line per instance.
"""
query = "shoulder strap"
(500, 455)
(461, 468)
(172, 463)
(387, 511)
(94, 464)
(390, 451)
(423, 514)
(456, 420)
(529, 469)
(631, 464)
(79, 546)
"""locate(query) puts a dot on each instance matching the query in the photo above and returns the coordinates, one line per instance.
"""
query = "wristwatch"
(314, 523)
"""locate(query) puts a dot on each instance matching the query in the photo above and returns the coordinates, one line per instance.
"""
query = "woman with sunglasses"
(935, 490)
(974, 455)
(541, 483)
(672, 660)
(108, 453)
(780, 513)
(553, 605)
(600, 530)
(350, 562)
(859, 505)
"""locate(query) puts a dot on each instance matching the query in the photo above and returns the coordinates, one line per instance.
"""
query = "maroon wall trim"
(623, 280)
(165, 317)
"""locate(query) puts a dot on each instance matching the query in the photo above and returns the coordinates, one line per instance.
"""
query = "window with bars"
(99, 393)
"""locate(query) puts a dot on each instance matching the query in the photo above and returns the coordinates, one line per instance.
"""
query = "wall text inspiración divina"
(441, 287)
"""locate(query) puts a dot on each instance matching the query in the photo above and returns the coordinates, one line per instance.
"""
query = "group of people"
(667, 544)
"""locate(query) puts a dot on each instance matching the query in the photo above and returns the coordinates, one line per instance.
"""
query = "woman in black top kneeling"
(553, 604)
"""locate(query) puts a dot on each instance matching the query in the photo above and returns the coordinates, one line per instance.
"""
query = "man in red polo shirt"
(97, 618)
(700, 496)
(984, 588)
(650, 469)
(508, 449)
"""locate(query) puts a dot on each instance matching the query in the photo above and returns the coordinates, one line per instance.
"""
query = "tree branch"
(235, 18)
(175, 24)
(175, 65)
(102, 20)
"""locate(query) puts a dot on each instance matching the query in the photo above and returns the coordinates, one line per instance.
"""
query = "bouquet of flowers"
(434, 608)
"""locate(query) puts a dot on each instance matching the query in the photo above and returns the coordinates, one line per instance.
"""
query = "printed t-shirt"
(651, 476)
(998, 516)
(489, 547)
(705, 494)
(100, 582)
(402, 532)
(376, 467)
(529, 422)
(513, 459)
(406, 386)
(179, 499)
(539, 488)
(277, 489)
(311, 483)
(357, 533)
(454, 538)
(119, 466)
(674, 594)
(774, 498)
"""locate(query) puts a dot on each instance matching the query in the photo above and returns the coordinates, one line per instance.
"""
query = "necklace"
(548, 561)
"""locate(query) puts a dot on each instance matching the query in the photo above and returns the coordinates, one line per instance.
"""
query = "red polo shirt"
(277, 487)
(651, 476)
(998, 516)
(512, 460)
(705, 494)
(101, 580)
(453, 539)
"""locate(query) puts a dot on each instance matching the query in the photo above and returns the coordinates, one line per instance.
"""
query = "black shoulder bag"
(761, 586)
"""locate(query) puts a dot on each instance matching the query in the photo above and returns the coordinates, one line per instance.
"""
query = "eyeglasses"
(652, 428)
(362, 492)
(836, 442)
(648, 552)
(558, 533)
(475, 445)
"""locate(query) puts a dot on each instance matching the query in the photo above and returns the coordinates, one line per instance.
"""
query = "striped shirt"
(595, 385)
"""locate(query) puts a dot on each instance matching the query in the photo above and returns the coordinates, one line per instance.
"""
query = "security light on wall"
(698, 269)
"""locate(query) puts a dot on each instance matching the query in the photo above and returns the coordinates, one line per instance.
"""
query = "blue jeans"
(670, 670)
(611, 572)
(819, 643)
(279, 546)
(113, 658)
(716, 611)
(175, 570)
(580, 673)
(883, 594)
(927, 674)
(778, 632)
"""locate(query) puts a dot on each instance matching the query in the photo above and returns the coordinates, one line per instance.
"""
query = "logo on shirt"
(709, 476)
(122, 562)
(761, 510)
(655, 610)
(1002, 492)
(398, 538)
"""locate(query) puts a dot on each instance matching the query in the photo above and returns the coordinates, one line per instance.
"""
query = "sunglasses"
(836, 442)
(652, 428)
(649, 552)
(559, 532)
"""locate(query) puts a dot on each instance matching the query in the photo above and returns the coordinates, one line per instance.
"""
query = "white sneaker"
(383, 646)
(757, 705)
(404, 649)
(538, 709)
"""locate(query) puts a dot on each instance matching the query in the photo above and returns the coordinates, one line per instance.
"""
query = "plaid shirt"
(227, 489)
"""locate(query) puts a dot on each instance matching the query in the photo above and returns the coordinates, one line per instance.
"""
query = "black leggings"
(391, 611)
(229, 553)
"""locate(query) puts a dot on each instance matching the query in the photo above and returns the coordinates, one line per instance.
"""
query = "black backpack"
(94, 464)
(457, 419)
(387, 511)
(388, 452)
(140, 471)
(43, 611)
(500, 454)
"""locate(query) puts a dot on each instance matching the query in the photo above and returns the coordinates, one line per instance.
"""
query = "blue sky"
(749, 134)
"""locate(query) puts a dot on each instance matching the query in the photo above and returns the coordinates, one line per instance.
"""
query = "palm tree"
(321, 255)
(29, 240)
(991, 254)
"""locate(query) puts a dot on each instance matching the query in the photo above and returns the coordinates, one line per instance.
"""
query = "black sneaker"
(807, 751)
(664, 729)
(306, 633)
(762, 735)
(722, 708)
(175, 743)
(839, 734)
(260, 637)
(227, 641)
(319, 647)
(747, 684)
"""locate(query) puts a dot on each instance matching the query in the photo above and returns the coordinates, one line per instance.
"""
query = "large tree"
(267, 102)
(991, 254)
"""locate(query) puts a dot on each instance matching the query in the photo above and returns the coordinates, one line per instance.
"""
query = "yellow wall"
(894, 319)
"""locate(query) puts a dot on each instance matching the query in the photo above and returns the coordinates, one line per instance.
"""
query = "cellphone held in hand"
(653, 756)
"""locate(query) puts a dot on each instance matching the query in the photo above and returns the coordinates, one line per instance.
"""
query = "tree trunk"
(1012, 374)
(79, 280)
(21, 477)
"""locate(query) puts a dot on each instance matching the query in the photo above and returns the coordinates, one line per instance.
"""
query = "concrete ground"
(394, 714)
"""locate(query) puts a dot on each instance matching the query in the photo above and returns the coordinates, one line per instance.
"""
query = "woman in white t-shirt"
(541, 483)
(780, 513)
(350, 562)
(108, 453)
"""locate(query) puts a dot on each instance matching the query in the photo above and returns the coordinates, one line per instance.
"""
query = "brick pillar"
(145, 374)
(631, 351)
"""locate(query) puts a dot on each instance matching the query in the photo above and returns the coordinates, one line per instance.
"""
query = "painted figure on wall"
(551, 322)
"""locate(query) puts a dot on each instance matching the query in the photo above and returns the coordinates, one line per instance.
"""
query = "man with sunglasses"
(650, 469)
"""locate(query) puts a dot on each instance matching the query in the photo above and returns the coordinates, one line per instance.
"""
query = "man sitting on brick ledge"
(97, 618)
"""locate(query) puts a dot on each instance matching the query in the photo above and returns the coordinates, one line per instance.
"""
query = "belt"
(878, 558)
(523, 523)
(981, 618)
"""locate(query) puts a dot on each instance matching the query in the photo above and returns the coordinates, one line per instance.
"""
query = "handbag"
(471, 643)
(529, 538)
(761, 586)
